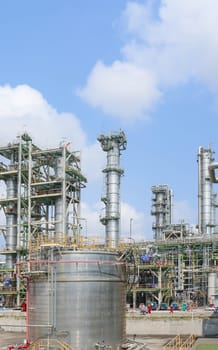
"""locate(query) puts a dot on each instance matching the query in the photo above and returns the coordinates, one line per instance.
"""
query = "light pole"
(85, 220)
(80, 228)
(130, 229)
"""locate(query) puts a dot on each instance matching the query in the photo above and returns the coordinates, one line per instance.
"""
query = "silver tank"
(80, 300)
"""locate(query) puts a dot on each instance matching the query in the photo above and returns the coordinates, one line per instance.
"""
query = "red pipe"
(101, 262)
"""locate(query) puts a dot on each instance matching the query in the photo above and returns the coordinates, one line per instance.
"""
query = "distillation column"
(11, 222)
(60, 203)
(162, 209)
(112, 144)
(206, 217)
(8, 174)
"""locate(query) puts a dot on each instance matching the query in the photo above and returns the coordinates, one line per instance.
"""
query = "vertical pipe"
(213, 212)
(179, 286)
(29, 191)
(200, 150)
(59, 202)
(19, 244)
(27, 311)
(64, 231)
(171, 206)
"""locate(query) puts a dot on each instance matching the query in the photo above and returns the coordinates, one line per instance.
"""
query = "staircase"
(180, 343)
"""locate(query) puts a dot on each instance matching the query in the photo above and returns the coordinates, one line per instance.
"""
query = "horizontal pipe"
(72, 261)
(212, 167)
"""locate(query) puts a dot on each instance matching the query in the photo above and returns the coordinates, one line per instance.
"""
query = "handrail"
(179, 343)
(174, 343)
(187, 344)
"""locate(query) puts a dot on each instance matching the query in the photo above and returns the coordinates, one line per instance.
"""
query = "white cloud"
(93, 161)
(183, 212)
(139, 224)
(90, 222)
(179, 44)
(122, 89)
(167, 45)
(23, 108)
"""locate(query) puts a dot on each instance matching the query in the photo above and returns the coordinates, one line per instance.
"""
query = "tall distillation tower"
(162, 209)
(206, 196)
(112, 144)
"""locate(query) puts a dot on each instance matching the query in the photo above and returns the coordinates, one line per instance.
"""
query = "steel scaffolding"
(41, 202)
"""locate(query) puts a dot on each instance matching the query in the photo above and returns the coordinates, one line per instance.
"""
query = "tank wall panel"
(87, 304)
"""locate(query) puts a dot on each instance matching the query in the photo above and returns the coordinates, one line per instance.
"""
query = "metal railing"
(180, 343)
(50, 343)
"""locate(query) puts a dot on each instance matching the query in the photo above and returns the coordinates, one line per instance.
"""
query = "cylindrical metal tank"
(82, 298)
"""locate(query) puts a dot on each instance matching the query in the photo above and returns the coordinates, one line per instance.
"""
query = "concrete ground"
(8, 338)
(151, 343)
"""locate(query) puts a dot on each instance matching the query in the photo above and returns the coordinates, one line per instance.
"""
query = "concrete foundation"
(201, 326)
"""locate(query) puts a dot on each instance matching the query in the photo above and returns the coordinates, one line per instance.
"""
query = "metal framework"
(41, 202)
(180, 270)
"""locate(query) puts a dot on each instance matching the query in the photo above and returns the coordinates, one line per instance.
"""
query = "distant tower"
(206, 197)
(161, 209)
(112, 144)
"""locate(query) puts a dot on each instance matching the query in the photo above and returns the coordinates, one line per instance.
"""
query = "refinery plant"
(75, 290)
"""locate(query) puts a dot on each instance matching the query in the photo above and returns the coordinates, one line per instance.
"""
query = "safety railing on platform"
(180, 343)
(50, 343)
(187, 344)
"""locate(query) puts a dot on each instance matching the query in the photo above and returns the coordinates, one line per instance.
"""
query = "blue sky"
(71, 70)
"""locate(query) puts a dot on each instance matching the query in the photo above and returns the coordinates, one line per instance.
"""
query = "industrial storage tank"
(78, 297)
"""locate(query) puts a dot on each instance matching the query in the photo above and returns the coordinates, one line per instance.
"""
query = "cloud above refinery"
(24, 109)
(123, 90)
(135, 228)
(165, 47)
